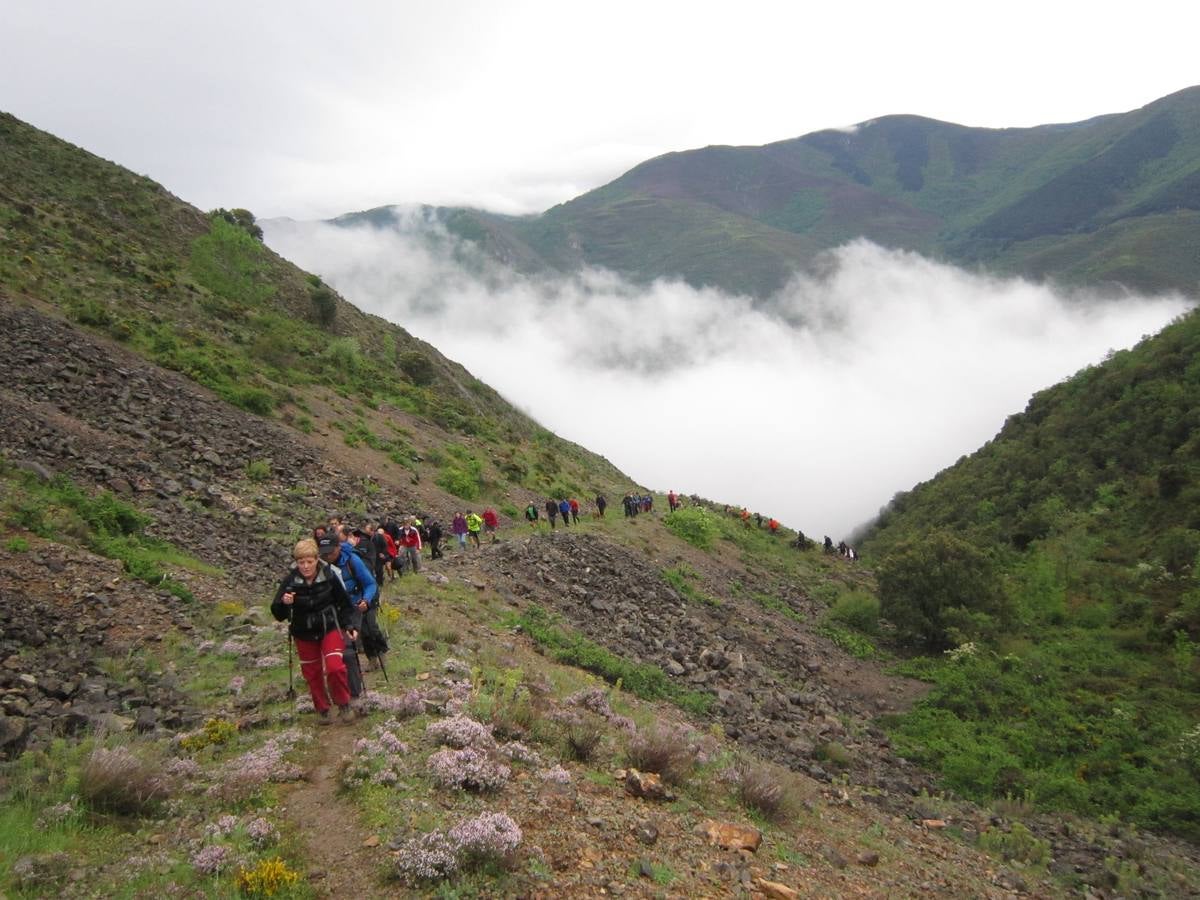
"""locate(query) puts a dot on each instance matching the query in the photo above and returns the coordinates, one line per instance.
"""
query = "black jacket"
(319, 607)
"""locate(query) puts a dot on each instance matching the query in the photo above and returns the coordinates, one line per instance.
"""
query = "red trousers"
(320, 661)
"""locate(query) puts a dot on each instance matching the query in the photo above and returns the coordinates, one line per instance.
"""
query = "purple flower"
(557, 775)
(211, 860)
(460, 731)
(468, 769)
(491, 835)
(429, 857)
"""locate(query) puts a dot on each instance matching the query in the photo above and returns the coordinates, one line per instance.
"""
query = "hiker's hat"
(328, 545)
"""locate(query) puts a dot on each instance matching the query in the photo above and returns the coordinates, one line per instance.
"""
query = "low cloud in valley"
(815, 406)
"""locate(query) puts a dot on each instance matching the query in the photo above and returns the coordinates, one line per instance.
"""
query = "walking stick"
(291, 685)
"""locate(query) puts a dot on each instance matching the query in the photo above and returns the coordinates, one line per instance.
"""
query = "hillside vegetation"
(675, 704)
(1079, 679)
(1114, 200)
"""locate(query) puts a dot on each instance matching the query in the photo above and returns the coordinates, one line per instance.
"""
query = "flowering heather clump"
(454, 666)
(182, 767)
(268, 662)
(557, 775)
(376, 759)
(236, 684)
(234, 647)
(460, 731)
(261, 833)
(410, 703)
(223, 826)
(205, 645)
(250, 771)
(469, 770)
(489, 836)
(518, 752)
(592, 699)
(623, 723)
(430, 857)
(304, 704)
(596, 700)
(57, 814)
(211, 859)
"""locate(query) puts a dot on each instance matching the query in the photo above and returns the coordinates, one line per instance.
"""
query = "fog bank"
(815, 406)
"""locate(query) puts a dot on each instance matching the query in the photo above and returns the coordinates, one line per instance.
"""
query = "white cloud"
(815, 406)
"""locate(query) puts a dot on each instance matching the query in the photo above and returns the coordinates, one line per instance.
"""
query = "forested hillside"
(1110, 201)
(1063, 556)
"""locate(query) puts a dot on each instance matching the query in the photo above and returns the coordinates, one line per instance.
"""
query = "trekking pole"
(291, 685)
(357, 644)
(382, 667)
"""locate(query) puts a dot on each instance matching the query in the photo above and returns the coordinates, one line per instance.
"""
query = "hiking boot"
(324, 718)
(346, 715)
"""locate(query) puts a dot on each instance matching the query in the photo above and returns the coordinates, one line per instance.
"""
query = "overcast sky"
(311, 109)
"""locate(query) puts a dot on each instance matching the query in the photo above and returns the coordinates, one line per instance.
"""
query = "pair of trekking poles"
(358, 648)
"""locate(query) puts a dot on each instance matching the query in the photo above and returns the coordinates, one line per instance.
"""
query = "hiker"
(773, 526)
(474, 524)
(672, 500)
(383, 556)
(601, 503)
(459, 526)
(359, 584)
(828, 546)
(574, 510)
(564, 510)
(410, 544)
(551, 512)
(364, 546)
(531, 514)
(490, 522)
(316, 606)
(433, 528)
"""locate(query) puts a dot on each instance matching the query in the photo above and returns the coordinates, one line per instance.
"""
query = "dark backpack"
(366, 552)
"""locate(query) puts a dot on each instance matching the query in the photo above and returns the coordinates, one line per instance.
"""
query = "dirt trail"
(338, 861)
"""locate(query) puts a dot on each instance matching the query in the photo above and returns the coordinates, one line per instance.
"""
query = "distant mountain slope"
(1115, 199)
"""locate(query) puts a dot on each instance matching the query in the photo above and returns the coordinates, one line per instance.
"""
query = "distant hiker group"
(331, 595)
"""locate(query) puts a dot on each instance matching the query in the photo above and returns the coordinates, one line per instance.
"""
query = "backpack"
(366, 552)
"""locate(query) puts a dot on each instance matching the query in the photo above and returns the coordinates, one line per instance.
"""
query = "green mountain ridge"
(1114, 200)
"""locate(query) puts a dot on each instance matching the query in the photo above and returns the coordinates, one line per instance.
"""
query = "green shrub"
(251, 399)
(938, 590)
(324, 304)
(1018, 844)
(458, 482)
(258, 470)
(695, 525)
(858, 610)
(418, 367)
(343, 355)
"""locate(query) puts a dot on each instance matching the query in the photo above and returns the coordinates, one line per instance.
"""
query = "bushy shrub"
(118, 781)
(417, 366)
(765, 789)
(268, 878)
(939, 590)
(694, 524)
(583, 738)
(258, 470)
(461, 732)
(858, 609)
(667, 751)
(1018, 844)
(489, 837)
(324, 303)
(468, 769)
(343, 355)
